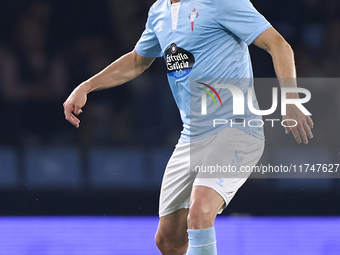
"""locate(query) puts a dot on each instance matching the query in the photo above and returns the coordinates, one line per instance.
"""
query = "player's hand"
(303, 131)
(73, 105)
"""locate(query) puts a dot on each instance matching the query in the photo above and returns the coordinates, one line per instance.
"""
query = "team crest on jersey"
(193, 15)
(173, 48)
(179, 62)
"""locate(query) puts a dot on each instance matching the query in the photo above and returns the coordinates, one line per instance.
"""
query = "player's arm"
(119, 72)
(284, 64)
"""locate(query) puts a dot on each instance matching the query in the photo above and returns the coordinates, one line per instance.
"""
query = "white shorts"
(213, 162)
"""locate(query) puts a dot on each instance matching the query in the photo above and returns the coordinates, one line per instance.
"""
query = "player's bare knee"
(200, 216)
(160, 241)
(171, 245)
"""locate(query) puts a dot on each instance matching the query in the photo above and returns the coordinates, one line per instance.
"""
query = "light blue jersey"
(209, 46)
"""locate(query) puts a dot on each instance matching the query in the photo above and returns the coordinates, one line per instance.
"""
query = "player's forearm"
(119, 72)
(282, 55)
(284, 65)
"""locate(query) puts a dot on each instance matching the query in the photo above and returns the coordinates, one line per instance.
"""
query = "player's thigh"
(177, 181)
(172, 229)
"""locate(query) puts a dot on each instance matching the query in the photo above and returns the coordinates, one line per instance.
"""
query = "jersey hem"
(187, 139)
(173, 209)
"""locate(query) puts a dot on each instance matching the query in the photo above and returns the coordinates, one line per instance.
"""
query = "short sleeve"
(241, 18)
(148, 44)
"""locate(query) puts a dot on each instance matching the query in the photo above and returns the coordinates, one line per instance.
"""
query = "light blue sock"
(202, 242)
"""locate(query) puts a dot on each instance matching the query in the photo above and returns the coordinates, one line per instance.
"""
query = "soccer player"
(202, 39)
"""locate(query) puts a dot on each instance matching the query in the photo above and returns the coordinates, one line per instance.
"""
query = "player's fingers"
(296, 135)
(77, 110)
(67, 110)
(308, 130)
(74, 120)
(287, 129)
(303, 136)
(302, 132)
(310, 122)
(69, 116)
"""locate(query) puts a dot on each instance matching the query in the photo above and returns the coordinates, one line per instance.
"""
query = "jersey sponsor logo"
(193, 15)
(179, 62)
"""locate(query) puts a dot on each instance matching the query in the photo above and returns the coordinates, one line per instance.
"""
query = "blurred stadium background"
(113, 164)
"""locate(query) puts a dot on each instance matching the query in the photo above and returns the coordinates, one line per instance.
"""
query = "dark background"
(113, 164)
